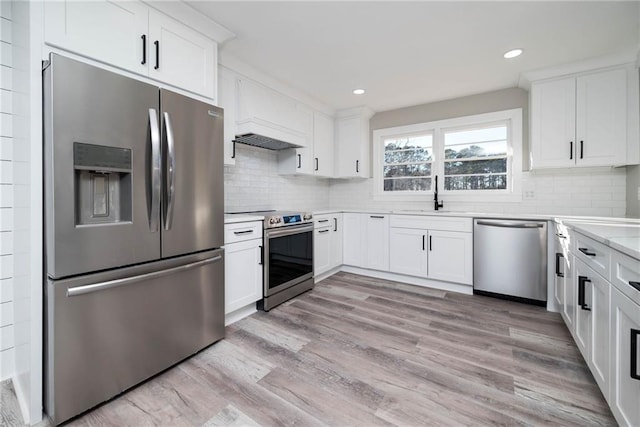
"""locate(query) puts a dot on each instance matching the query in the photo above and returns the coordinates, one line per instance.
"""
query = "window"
(474, 156)
(407, 163)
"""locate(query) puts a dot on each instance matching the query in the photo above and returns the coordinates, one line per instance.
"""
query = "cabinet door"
(584, 285)
(347, 155)
(323, 134)
(181, 56)
(227, 100)
(625, 385)
(570, 294)
(108, 31)
(408, 251)
(354, 242)
(602, 118)
(450, 256)
(378, 242)
(321, 250)
(243, 274)
(336, 241)
(553, 121)
(599, 351)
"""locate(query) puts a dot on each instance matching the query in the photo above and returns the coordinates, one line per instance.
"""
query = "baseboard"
(22, 400)
(240, 314)
(319, 277)
(411, 280)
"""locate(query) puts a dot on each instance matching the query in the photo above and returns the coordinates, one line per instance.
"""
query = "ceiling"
(409, 53)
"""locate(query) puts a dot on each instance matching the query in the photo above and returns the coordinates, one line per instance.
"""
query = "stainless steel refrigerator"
(133, 230)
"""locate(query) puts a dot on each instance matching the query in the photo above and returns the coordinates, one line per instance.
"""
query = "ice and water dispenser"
(103, 184)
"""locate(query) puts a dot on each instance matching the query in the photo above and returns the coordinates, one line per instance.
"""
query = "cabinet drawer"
(241, 231)
(624, 270)
(443, 223)
(594, 254)
(321, 221)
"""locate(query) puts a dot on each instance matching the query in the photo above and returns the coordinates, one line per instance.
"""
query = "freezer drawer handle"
(155, 181)
(582, 280)
(81, 290)
(586, 252)
(558, 256)
(512, 224)
(634, 354)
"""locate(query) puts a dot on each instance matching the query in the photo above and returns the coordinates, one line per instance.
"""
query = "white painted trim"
(240, 314)
(320, 277)
(411, 280)
(592, 64)
(190, 17)
(22, 398)
(514, 158)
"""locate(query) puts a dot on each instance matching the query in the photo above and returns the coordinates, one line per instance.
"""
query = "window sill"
(428, 197)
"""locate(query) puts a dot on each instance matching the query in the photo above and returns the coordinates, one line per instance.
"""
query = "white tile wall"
(7, 350)
(580, 191)
(254, 184)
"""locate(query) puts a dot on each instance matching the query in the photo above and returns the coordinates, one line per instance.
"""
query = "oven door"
(289, 257)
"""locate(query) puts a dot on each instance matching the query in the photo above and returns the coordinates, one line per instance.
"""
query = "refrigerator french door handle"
(171, 171)
(86, 289)
(156, 171)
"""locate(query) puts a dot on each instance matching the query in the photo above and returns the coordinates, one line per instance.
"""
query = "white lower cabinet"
(569, 304)
(366, 241)
(418, 250)
(243, 265)
(624, 398)
(327, 243)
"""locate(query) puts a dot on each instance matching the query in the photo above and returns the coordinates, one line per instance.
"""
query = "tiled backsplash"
(589, 192)
(254, 184)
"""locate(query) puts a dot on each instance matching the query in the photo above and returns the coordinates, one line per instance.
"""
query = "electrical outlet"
(531, 195)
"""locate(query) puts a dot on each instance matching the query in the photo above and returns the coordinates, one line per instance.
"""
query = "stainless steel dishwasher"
(510, 259)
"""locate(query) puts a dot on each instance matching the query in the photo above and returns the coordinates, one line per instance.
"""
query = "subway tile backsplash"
(254, 184)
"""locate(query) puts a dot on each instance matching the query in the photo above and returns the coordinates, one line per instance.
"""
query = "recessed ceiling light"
(513, 53)
(358, 91)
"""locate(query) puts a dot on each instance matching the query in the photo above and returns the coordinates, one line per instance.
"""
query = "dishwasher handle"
(511, 224)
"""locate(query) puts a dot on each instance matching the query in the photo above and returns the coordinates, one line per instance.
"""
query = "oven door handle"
(287, 231)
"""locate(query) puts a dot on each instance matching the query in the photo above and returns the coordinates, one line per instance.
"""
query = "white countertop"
(235, 218)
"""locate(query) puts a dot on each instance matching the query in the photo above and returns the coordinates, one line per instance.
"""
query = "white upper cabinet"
(323, 137)
(181, 56)
(227, 100)
(264, 111)
(352, 148)
(112, 32)
(585, 120)
(131, 36)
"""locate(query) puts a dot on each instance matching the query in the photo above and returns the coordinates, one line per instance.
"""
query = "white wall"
(254, 184)
(7, 327)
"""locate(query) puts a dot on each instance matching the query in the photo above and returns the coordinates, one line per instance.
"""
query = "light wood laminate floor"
(363, 351)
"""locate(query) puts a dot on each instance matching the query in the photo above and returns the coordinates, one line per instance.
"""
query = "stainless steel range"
(288, 256)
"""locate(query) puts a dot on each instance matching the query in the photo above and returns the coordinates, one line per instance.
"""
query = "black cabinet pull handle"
(376, 216)
(581, 149)
(558, 256)
(157, 44)
(323, 231)
(430, 244)
(634, 353)
(323, 220)
(299, 161)
(233, 154)
(261, 255)
(586, 252)
(423, 242)
(237, 233)
(144, 49)
(570, 150)
(582, 280)
(335, 224)
(635, 284)
(357, 166)
(317, 163)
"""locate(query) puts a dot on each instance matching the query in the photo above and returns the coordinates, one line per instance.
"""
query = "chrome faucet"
(437, 204)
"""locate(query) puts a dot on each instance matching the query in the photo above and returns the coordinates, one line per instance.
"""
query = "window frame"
(408, 135)
(512, 117)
